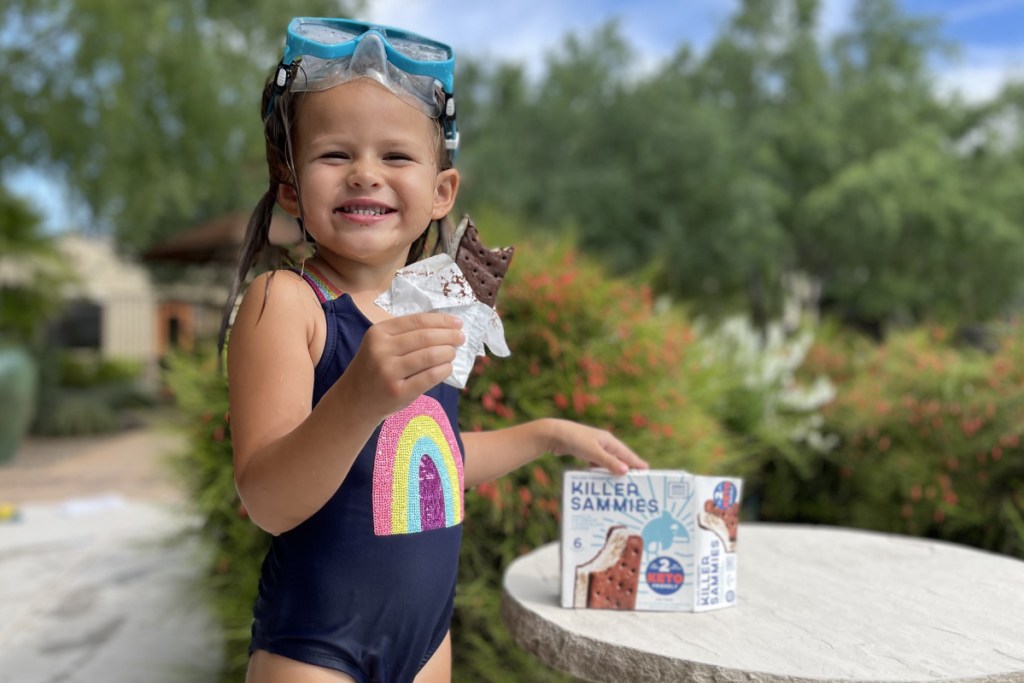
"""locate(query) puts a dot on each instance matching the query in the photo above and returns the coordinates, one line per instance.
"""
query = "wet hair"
(278, 127)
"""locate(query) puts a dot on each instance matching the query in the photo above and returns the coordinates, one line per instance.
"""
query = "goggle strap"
(451, 129)
(285, 74)
(452, 143)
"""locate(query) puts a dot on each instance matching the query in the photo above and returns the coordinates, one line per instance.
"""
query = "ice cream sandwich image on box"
(610, 579)
(660, 540)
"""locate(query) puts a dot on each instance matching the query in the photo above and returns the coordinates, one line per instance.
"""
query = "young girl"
(346, 441)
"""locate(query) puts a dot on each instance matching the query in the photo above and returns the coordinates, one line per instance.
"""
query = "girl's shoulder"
(279, 302)
(283, 288)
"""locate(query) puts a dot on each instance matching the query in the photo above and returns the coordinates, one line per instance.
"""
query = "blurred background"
(782, 239)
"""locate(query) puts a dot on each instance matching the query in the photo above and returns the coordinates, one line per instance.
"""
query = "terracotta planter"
(18, 386)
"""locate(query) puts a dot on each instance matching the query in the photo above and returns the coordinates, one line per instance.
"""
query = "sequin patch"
(417, 472)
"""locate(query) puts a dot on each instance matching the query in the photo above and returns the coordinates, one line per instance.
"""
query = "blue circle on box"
(665, 575)
(725, 495)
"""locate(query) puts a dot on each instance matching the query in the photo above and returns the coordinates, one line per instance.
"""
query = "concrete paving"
(98, 569)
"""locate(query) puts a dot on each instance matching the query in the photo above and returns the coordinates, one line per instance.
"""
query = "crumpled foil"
(437, 284)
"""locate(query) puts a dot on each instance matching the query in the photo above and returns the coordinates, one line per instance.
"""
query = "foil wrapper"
(437, 284)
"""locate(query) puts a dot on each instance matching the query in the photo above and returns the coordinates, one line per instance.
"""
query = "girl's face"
(367, 167)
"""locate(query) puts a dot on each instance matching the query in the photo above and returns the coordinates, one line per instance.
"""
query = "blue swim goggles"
(322, 53)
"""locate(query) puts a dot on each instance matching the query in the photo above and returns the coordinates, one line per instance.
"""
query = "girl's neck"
(363, 280)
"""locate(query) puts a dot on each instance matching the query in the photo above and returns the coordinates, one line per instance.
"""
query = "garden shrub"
(930, 441)
(88, 369)
(237, 546)
(76, 416)
(585, 347)
(83, 394)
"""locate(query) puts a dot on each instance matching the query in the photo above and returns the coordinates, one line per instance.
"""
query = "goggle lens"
(325, 34)
(419, 51)
(409, 45)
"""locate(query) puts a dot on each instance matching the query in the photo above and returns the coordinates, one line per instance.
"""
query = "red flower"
(579, 401)
(540, 476)
(525, 495)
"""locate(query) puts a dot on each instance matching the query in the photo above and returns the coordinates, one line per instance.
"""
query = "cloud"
(522, 31)
(527, 31)
(981, 72)
(834, 17)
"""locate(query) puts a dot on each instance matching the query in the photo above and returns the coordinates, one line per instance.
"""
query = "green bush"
(237, 546)
(930, 441)
(77, 416)
(83, 394)
(89, 369)
(585, 347)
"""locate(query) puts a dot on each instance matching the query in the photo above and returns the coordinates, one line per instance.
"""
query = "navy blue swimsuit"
(366, 585)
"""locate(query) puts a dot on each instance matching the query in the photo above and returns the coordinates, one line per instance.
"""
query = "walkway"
(97, 572)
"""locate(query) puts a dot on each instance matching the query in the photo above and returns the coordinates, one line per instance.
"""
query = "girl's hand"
(402, 357)
(596, 446)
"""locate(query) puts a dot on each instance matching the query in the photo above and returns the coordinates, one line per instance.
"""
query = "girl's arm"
(289, 459)
(492, 454)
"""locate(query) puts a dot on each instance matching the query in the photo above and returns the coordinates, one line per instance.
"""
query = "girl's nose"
(363, 174)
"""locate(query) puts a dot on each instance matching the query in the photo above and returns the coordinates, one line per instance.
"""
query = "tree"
(31, 271)
(902, 230)
(776, 154)
(149, 111)
(915, 242)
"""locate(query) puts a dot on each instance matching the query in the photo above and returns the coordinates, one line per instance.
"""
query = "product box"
(660, 540)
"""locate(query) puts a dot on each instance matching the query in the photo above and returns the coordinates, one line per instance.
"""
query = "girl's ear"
(444, 193)
(288, 199)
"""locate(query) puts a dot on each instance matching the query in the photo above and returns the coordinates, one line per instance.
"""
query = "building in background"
(111, 302)
(194, 271)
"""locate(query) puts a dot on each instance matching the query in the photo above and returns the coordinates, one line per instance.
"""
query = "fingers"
(423, 359)
(623, 454)
(419, 321)
(410, 353)
(406, 337)
(400, 358)
(614, 455)
(597, 446)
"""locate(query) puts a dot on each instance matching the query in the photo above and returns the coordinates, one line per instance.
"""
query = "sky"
(989, 35)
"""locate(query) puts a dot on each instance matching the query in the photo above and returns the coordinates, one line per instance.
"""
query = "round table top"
(814, 604)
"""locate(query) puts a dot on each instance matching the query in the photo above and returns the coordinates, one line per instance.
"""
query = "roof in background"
(220, 239)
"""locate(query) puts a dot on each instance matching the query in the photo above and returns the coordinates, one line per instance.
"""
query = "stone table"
(814, 604)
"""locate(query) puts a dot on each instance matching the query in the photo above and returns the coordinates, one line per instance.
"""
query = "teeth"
(364, 210)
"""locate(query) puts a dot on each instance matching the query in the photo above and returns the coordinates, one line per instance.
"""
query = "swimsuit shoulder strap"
(322, 287)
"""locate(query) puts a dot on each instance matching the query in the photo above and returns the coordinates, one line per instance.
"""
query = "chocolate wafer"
(484, 268)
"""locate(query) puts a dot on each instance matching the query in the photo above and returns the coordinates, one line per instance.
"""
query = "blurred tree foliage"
(777, 152)
(31, 269)
(782, 150)
(149, 111)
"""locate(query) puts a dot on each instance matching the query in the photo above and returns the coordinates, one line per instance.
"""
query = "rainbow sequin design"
(417, 472)
(322, 287)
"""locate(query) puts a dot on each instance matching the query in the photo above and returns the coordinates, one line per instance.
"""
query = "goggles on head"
(322, 53)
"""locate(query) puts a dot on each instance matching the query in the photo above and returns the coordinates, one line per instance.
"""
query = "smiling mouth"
(364, 210)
